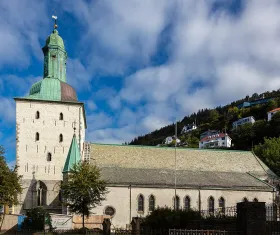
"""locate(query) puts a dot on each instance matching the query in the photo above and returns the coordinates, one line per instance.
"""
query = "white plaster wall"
(119, 198)
(31, 155)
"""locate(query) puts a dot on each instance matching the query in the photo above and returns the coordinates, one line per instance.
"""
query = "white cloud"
(21, 28)
(91, 105)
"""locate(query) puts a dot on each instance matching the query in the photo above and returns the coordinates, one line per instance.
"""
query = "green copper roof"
(73, 156)
(53, 86)
(55, 40)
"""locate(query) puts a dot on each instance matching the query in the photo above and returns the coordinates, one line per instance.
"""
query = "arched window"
(255, 200)
(37, 115)
(176, 203)
(60, 138)
(211, 204)
(41, 193)
(187, 203)
(49, 157)
(222, 204)
(245, 199)
(37, 136)
(152, 203)
(61, 116)
(140, 203)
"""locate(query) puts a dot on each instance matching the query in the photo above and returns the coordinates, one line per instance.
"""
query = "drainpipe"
(199, 200)
(129, 204)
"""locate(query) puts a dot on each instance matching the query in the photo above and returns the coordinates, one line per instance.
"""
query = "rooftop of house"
(274, 110)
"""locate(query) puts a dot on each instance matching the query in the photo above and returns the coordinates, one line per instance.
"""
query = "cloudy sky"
(140, 64)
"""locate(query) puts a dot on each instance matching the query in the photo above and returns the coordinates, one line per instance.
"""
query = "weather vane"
(55, 18)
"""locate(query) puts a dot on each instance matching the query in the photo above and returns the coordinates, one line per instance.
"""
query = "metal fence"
(202, 232)
(220, 212)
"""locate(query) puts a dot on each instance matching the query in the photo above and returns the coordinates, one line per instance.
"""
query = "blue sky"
(139, 64)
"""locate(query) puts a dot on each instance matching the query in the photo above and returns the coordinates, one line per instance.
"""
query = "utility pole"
(175, 173)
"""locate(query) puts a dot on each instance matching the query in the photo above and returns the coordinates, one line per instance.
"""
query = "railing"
(220, 212)
(202, 232)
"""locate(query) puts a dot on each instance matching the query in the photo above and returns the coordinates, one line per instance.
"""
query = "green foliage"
(269, 152)
(9, 181)
(37, 218)
(83, 189)
(169, 218)
(242, 136)
(166, 218)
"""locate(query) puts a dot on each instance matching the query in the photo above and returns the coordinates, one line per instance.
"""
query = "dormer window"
(37, 136)
(37, 115)
(60, 138)
(61, 116)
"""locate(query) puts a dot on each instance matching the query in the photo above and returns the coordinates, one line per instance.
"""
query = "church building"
(139, 178)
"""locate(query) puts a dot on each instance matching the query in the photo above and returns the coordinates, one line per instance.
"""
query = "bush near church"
(166, 218)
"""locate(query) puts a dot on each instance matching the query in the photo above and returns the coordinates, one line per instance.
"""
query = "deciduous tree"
(10, 185)
(269, 152)
(83, 189)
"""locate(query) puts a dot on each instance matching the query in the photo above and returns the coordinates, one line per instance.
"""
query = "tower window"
(37, 115)
(61, 116)
(60, 138)
(37, 136)
(49, 157)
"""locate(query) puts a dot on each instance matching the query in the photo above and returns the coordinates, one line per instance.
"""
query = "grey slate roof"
(185, 178)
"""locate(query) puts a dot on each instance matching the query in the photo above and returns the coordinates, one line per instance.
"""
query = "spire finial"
(55, 18)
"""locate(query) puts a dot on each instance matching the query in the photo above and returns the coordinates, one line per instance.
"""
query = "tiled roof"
(185, 178)
(212, 137)
(274, 110)
(141, 157)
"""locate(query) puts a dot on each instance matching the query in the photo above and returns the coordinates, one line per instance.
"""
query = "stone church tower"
(44, 129)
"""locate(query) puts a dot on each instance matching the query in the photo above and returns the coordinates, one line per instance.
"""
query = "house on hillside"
(215, 141)
(170, 139)
(247, 104)
(242, 121)
(208, 133)
(188, 128)
(271, 113)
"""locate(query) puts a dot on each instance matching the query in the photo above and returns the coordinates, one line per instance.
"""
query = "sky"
(139, 65)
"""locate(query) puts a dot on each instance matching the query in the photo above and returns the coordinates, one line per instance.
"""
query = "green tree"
(242, 137)
(272, 104)
(269, 152)
(83, 189)
(274, 125)
(9, 181)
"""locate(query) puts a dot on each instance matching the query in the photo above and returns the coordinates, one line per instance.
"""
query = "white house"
(217, 140)
(271, 113)
(188, 128)
(170, 139)
(242, 121)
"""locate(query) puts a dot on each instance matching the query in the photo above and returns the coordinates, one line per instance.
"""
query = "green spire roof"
(73, 156)
(55, 40)
(53, 86)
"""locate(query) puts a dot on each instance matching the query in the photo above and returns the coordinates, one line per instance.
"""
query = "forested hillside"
(221, 118)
